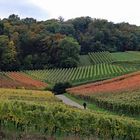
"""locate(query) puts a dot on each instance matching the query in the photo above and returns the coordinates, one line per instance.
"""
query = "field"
(116, 101)
(127, 102)
(119, 94)
(126, 56)
(85, 60)
(126, 59)
(124, 82)
(27, 95)
(19, 80)
(101, 57)
(101, 68)
(5, 81)
(40, 112)
(79, 75)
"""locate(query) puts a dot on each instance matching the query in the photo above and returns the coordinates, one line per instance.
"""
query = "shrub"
(60, 88)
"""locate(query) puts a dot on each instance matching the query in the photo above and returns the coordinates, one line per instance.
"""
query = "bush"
(60, 88)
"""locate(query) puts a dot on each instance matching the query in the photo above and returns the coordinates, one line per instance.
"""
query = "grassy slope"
(85, 60)
(129, 56)
(127, 59)
(126, 56)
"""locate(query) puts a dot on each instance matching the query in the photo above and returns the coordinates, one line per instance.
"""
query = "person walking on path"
(85, 105)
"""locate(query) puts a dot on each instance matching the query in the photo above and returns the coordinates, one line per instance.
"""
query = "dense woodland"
(31, 44)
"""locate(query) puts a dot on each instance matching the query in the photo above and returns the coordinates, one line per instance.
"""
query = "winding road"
(68, 101)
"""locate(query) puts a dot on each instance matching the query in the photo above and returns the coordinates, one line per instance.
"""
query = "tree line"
(55, 43)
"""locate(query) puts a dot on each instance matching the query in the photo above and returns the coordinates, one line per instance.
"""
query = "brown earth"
(19, 80)
(125, 82)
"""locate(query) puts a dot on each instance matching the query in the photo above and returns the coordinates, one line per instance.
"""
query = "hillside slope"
(125, 82)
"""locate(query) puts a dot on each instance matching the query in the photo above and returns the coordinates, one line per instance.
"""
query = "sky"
(113, 10)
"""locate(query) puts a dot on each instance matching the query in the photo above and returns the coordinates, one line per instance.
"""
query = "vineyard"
(19, 80)
(23, 111)
(7, 82)
(118, 94)
(80, 74)
(32, 111)
(127, 59)
(126, 102)
(101, 57)
(124, 82)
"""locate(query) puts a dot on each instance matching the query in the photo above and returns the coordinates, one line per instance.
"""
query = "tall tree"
(8, 54)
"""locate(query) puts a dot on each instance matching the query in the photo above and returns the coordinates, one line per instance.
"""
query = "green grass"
(126, 56)
(134, 52)
(84, 60)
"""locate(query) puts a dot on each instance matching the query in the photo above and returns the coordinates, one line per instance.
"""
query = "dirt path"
(68, 101)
